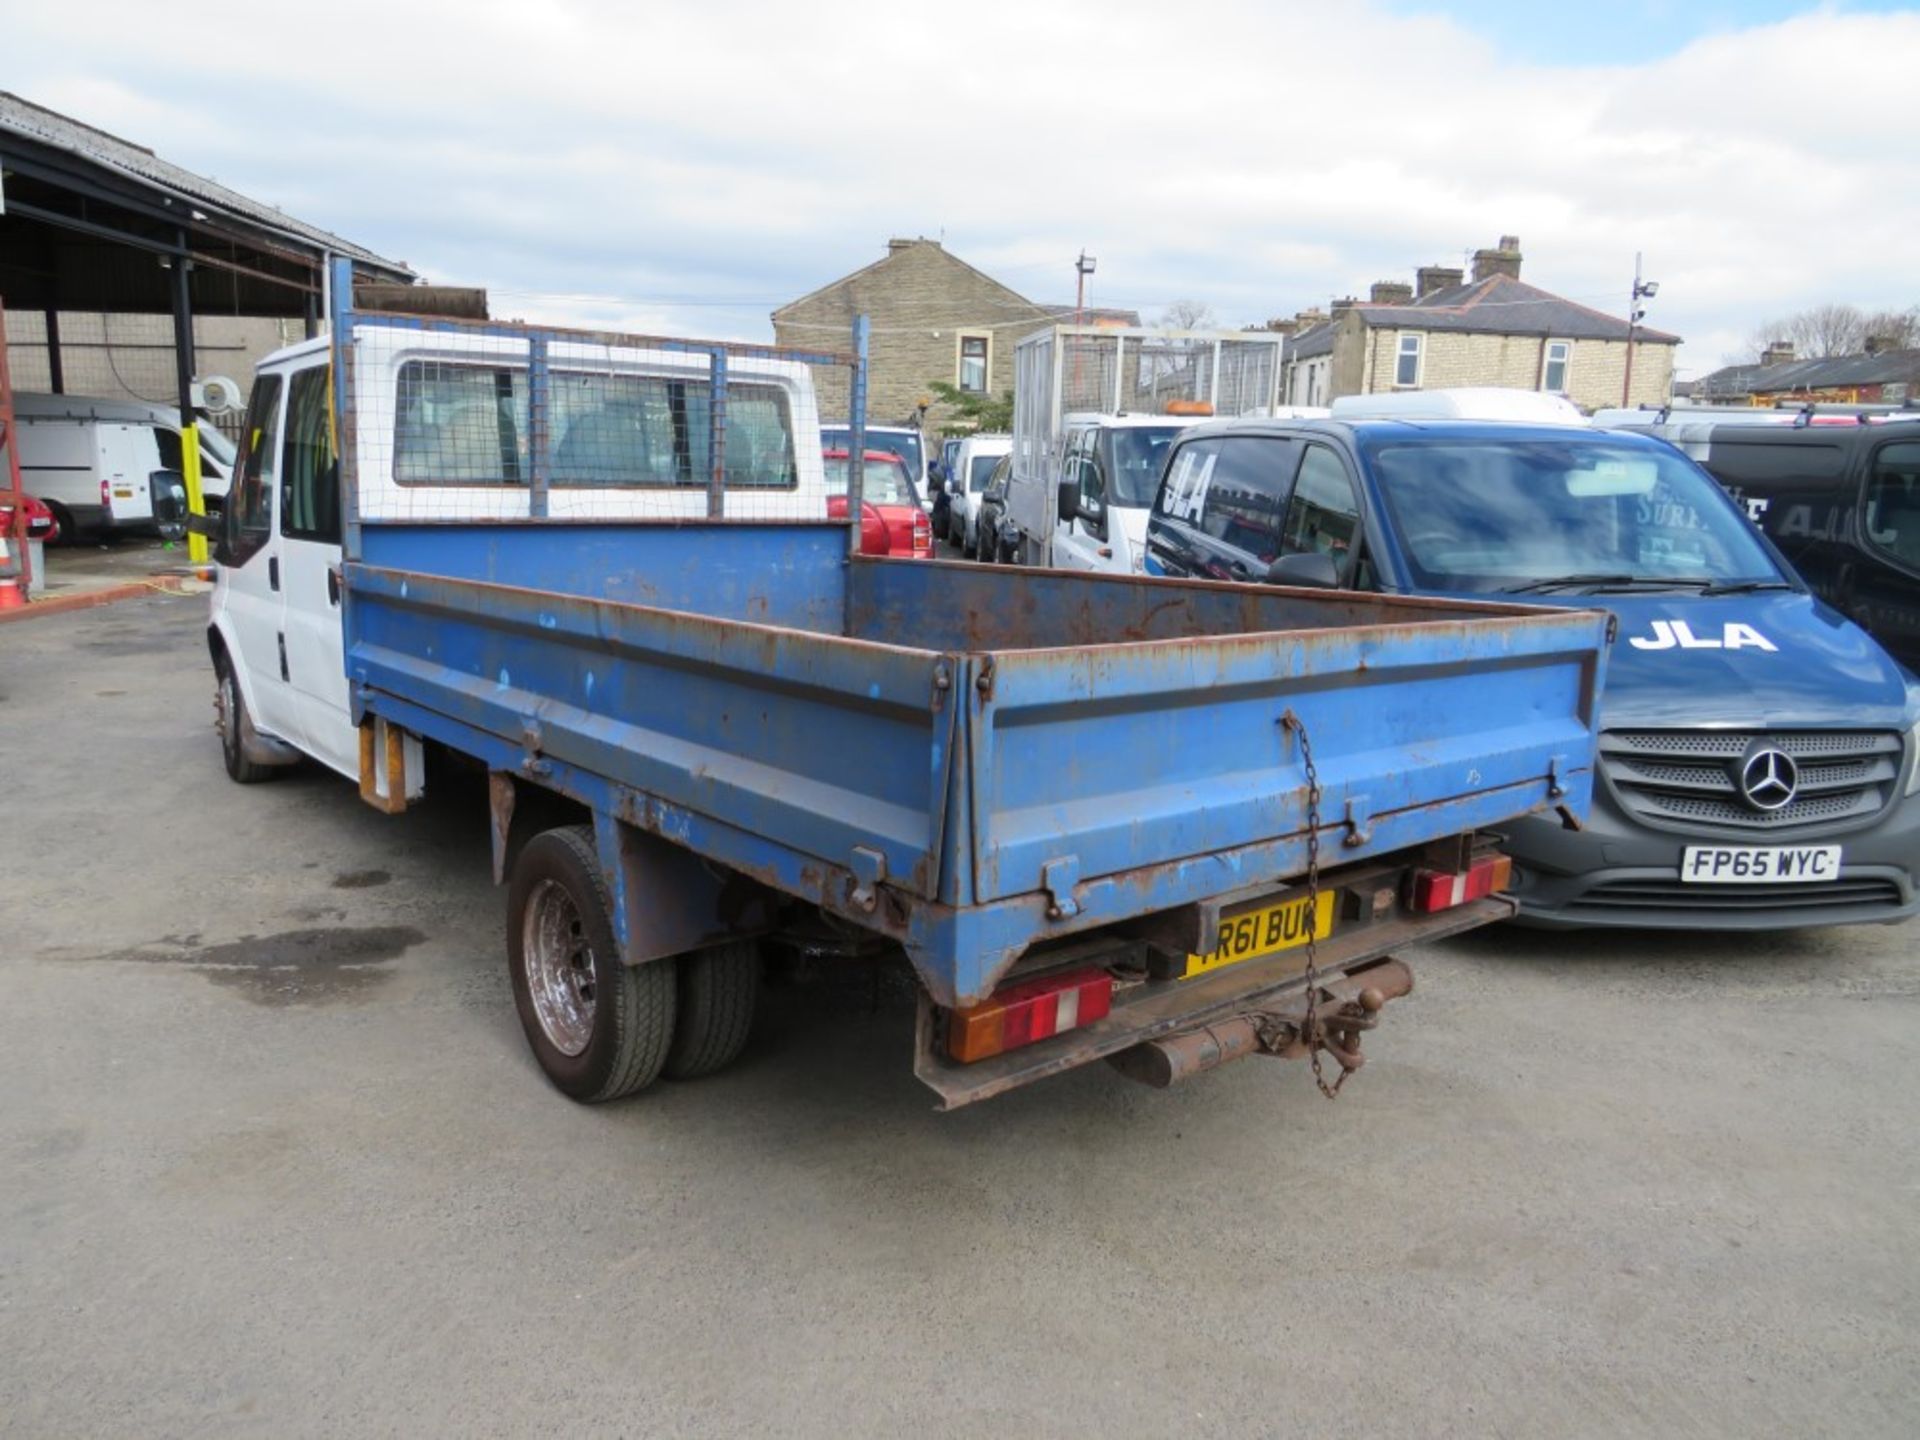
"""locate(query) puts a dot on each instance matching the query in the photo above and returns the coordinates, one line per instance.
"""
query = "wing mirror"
(1307, 568)
(1069, 501)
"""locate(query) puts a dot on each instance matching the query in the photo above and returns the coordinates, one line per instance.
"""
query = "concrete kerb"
(165, 584)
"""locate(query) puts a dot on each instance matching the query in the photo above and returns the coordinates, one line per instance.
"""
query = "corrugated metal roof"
(60, 132)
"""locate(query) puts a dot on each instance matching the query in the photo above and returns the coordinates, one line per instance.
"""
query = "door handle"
(273, 572)
(333, 584)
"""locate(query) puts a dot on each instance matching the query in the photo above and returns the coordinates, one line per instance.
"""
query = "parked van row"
(1758, 748)
(103, 466)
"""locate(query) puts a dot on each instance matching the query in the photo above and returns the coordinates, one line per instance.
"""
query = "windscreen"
(1500, 514)
(883, 482)
(1139, 453)
(904, 443)
(980, 470)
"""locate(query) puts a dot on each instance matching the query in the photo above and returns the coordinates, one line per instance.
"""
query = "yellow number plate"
(1254, 933)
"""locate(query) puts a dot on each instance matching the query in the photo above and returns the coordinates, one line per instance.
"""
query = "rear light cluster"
(1028, 1011)
(922, 537)
(1432, 890)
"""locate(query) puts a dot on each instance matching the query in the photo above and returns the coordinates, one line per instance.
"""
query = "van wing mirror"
(207, 527)
(1069, 501)
(1306, 568)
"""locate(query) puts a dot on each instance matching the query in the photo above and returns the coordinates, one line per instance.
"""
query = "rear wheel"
(718, 991)
(599, 1027)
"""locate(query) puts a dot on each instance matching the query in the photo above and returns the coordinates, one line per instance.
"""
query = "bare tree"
(1815, 333)
(1187, 315)
(1900, 329)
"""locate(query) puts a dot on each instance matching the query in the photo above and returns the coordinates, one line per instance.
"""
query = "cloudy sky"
(687, 167)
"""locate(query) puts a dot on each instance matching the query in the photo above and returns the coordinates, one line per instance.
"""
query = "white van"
(1111, 466)
(978, 455)
(1462, 402)
(97, 462)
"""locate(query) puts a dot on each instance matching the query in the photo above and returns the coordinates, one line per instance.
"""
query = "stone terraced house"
(1495, 329)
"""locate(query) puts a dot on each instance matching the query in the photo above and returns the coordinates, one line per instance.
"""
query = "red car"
(41, 524)
(891, 520)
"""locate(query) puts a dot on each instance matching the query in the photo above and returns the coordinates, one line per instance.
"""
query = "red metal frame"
(18, 524)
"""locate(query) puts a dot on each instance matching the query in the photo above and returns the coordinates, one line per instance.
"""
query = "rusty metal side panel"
(822, 745)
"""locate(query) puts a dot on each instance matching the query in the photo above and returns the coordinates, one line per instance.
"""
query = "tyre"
(718, 990)
(600, 1028)
(234, 724)
(63, 517)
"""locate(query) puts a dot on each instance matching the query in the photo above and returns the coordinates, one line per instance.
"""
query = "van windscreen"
(1500, 514)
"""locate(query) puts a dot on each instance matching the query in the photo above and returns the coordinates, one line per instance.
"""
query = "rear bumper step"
(1350, 962)
(1274, 1029)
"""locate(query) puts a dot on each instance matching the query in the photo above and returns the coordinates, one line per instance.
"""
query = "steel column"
(717, 434)
(183, 376)
(857, 432)
(539, 425)
(56, 370)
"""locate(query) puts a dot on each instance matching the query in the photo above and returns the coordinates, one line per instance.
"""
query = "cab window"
(310, 494)
(250, 514)
(1893, 504)
(1323, 516)
(1093, 491)
(1243, 501)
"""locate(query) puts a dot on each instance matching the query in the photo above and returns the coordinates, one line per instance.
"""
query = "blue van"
(1758, 755)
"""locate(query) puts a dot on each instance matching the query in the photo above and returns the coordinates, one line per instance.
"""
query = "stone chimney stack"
(1390, 292)
(1431, 279)
(1780, 352)
(1875, 344)
(1342, 306)
(1503, 260)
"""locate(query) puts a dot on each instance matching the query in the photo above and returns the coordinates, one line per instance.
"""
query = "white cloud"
(1259, 157)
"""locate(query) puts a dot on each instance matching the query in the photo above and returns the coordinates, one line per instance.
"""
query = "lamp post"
(1083, 267)
(1636, 312)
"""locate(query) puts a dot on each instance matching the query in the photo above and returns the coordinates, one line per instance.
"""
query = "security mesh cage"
(451, 420)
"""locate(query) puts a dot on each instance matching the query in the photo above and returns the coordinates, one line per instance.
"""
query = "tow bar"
(1333, 1020)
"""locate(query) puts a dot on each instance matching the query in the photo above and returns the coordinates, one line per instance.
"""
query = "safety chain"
(1310, 1030)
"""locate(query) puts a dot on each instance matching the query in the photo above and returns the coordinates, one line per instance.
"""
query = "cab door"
(250, 596)
(1085, 541)
(309, 533)
(1070, 548)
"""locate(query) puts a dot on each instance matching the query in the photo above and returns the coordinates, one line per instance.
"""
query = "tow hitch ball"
(1337, 1029)
(1338, 1032)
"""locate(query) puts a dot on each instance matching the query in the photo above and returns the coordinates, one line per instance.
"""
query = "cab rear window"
(458, 424)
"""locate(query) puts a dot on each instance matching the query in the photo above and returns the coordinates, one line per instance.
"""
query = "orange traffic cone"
(12, 597)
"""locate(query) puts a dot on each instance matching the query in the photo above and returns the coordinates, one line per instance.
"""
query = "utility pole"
(1083, 267)
(1636, 312)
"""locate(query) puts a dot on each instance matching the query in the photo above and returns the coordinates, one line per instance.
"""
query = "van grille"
(1691, 777)
(1674, 895)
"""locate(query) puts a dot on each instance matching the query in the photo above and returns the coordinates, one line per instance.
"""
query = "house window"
(973, 364)
(1406, 367)
(1553, 366)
